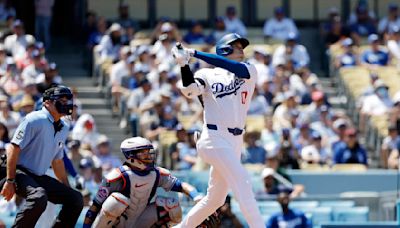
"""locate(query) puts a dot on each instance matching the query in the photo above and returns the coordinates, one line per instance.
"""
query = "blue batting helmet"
(224, 45)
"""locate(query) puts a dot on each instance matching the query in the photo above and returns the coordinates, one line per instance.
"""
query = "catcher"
(124, 197)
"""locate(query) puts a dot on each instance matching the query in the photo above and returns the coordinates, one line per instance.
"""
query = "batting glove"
(181, 54)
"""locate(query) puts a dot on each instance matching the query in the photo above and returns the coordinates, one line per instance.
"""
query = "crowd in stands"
(300, 128)
(291, 124)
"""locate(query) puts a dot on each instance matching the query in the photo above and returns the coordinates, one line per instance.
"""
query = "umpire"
(36, 145)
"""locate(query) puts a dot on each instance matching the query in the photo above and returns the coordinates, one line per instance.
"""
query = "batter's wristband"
(193, 194)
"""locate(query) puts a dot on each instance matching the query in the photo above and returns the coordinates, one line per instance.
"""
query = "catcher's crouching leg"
(112, 208)
(168, 211)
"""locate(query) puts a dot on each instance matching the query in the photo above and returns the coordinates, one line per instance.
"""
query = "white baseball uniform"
(226, 100)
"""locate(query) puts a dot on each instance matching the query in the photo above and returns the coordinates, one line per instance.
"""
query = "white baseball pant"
(222, 151)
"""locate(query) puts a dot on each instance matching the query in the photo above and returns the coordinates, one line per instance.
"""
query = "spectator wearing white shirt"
(111, 43)
(392, 20)
(139, 98)
(32, 71)
(291, 51)
(389, 144)
(119, 70)
(376, 104)
(233, 24)
(17, 42)
(279, 26)
(7, 117)
(261, 60)
(393, 43)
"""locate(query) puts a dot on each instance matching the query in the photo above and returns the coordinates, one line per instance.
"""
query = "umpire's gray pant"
(37, 190)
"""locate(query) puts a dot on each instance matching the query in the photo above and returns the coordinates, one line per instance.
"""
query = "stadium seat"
(349, 167)
(255, 123)
(337, 203)
(303, 204)
(353, 214)
(268, 207)
(319, 215)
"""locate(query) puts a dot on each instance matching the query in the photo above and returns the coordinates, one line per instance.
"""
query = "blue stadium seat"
(337, 203)
(353, 214)
(268, 207)
(319, 215)
(303, 204)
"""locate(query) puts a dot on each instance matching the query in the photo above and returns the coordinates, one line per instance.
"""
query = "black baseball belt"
(234, 131)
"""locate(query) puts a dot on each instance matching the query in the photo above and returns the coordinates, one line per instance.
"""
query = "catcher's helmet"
(224, 46)
(132, 147)
(55, 94)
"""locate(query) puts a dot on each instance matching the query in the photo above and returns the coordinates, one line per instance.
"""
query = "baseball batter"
(226, 92)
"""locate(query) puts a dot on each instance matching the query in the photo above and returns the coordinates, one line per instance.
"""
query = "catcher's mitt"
(212, 221)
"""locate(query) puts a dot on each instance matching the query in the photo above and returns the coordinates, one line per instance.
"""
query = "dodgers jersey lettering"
(226, 97)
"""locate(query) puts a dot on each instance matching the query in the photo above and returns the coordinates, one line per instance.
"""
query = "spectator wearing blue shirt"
(375, 55)
(254, 154)
(363, 26)
(288, 218)
(350, 151)
(349, 57)
(195, 35)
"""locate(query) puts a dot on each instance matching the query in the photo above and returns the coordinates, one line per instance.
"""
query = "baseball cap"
(114, 27)
(310, 154)
(340, 123)
(347, 42)
(26, 101)
(279, 10)
(102, 139)
(316, 135)
(35, 53)
(267, 172)
(230, 10)
(52, 66)
(39, 45)
(393, 6)
(261, 51)
(373, 38)
(291, 36)
(380, 84)
(18, 23)
(395, 29)
(73, 143)
(166, 27)
(333, 10)
(125, 50)
(85, 163)
(131, 59)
